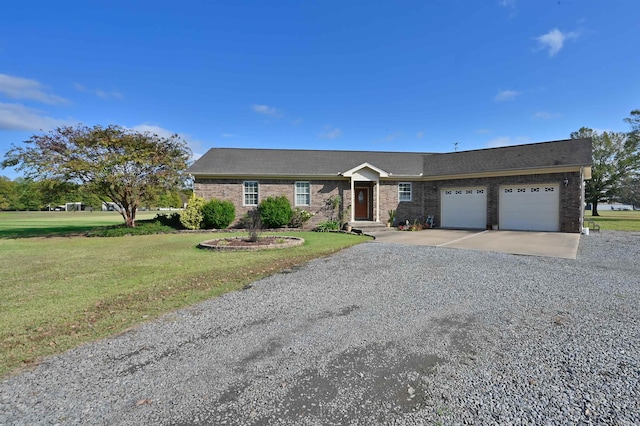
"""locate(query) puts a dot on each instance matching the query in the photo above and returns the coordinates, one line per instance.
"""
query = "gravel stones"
(376, 334)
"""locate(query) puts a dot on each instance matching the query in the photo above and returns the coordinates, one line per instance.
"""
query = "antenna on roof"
(455, 146)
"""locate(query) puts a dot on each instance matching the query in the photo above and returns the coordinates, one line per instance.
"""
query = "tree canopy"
(120, 165)
(616, 158)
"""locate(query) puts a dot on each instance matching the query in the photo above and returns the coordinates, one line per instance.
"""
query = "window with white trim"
(250, 193)
(303, 194)
(404, 191)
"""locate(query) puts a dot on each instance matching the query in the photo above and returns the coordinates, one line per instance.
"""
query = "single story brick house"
(533, 187)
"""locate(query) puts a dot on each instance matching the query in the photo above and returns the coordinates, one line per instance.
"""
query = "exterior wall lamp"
(566, 181)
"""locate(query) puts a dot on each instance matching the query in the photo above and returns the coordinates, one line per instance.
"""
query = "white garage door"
(530, 207)
(464, 208)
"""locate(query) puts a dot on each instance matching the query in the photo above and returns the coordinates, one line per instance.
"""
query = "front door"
(361, 210)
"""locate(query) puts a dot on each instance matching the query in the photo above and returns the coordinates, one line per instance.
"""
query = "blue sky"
(374, 75)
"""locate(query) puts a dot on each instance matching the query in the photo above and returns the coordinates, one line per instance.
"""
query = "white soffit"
(359, 169)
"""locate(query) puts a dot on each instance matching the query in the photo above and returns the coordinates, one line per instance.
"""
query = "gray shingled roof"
(293, 162)
(296, 162)
(570, 152)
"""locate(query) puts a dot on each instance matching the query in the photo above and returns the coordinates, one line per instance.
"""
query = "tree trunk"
(594, 208)
(131, 222)
(128, 216)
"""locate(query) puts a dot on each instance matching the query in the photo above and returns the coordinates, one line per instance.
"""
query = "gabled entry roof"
(229, 162)
(362, 166)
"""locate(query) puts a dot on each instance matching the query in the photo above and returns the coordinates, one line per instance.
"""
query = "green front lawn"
(614, 220)
(34, 224)
(57, 292)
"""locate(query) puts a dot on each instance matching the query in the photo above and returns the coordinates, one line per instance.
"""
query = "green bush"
(218, 214)
(299, 218)
(275, 212)
(191, 217)
(172, 220)
(328, 225)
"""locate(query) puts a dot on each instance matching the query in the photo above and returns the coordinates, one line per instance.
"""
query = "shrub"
(299, 218)
(275, 212)
(172, 220)
(328, 225)
(191, 217)
(218, 214)
(143, 227)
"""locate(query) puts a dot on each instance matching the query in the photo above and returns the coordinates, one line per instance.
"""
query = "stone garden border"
(242, 244)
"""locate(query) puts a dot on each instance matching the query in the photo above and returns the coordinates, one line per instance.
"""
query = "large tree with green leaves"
(630, 191)
(616, 157)
(116, 164)
(630, 188)
(8, 193)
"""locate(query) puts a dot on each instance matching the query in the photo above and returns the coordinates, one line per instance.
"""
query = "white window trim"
(295, 193)
(410, 192)
(244, 193)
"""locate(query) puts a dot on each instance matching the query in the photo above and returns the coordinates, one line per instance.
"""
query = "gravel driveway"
(376, 334)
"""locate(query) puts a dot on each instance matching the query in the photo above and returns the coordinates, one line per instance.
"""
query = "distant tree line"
(24, 194)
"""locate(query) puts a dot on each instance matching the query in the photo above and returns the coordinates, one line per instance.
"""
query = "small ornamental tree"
(120, 165)
(218, 214)
(191, 217)
(275, 212)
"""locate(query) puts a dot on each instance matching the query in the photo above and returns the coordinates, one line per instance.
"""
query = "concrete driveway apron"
(547, 244)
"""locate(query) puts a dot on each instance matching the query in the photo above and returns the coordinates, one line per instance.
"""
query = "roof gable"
(363, 166)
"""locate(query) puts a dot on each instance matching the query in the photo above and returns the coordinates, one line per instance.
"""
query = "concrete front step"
(368, 226)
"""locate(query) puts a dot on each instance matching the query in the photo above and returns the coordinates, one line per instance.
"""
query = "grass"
(58, 292)
(37, 224)
(614, 220)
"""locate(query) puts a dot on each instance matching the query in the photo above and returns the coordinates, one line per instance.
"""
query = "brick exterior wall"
(425, 196)
(232, 190)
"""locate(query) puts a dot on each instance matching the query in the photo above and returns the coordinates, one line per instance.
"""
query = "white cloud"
(553, 41)
(331, 133)
(506, 95)
(157, 130)
(391, 137)
(483, 131)
(507, 141)
(267, 110)
(195, 145)
(510, 5)
(20, 117)
(228, 135)
(419, 135)
(23, 88)
(544, 115)
(104, 94)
